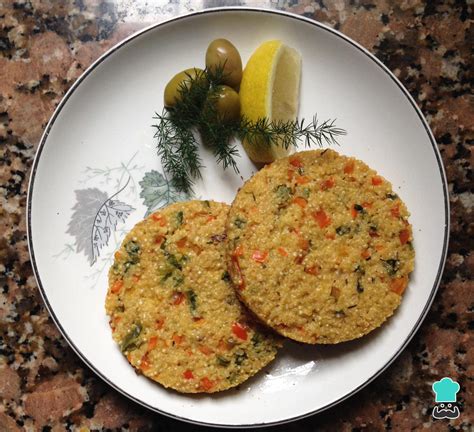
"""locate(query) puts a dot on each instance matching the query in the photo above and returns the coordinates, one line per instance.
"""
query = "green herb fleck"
(239, 222)
(392, 196)
(305, 193)
(256, 339)
(222, 361)
(179, 218)
(343, 229)
(392, 266)
(192, 301)
(360, 288)
(283, 193)
(359, 208)
(130, 341)
(240, 357)
(226, 276)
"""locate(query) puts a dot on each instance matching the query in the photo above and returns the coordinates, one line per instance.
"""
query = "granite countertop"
(44, 47)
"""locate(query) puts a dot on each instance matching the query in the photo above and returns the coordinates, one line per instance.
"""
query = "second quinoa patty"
(319, 247)
(172, 308)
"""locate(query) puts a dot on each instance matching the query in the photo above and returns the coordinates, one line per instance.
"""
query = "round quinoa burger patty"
(172, 307)
(319, 247)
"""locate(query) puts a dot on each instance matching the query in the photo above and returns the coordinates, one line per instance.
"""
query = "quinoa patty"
(172, 308)
(319, 247)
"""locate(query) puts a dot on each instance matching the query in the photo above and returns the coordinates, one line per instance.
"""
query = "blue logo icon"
(446, 395)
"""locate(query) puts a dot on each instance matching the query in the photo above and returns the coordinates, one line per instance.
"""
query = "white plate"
(97, 156)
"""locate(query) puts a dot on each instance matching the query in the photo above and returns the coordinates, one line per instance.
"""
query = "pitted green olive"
(172, 89)
(221, 52)
(227, 103)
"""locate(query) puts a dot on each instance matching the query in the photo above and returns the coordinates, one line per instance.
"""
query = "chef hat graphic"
(445, 390)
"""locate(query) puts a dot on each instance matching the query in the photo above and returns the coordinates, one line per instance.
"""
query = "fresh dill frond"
(195, 113)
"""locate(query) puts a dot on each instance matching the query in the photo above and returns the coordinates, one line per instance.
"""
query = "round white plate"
(96, 174)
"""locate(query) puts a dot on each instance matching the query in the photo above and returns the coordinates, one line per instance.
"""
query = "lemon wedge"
(270, 89)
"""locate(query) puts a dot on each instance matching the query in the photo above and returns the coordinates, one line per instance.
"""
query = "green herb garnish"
(176, 131)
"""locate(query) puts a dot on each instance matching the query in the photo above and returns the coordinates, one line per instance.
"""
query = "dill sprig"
(194, 113)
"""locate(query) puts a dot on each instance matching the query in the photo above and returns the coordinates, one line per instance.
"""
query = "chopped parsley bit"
(360, 288)
(256, 339)
(173, 261)
(343, 229)
(392, 196)
(359, 208)
(133, 249)
(392, 266)
(130, 340)
(222, 361)
(283, 193)
(305, 193)
(192, 300)
(359, 269)
(240, 357)
(179, 218)
(226, 276)
(239, 222)
(207, 203)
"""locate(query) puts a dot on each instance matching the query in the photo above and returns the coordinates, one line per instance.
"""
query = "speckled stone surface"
(45, 45)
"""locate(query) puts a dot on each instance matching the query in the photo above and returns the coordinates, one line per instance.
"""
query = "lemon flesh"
(270, 89)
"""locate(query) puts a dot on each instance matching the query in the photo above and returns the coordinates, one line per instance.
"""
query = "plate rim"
(209, 11)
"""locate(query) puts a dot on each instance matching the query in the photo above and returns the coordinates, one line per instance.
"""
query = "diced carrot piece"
(327, 184)
(177, 339)
(395, 211)
(302, 180)
(282, 251)
(136, 278)
(152, 343)
(366, 204)
(259, 257)
(181, 243)
(159, 323)
(177, 298)
(238, 251)
(303, 243)
(373, 234)
(296, 161)
(365, 254)
(313, 270)
(188, 374)
(379, 247)
(236, 265)
(291, 173)
(159, 218)
(206, 350)
(349, 167)
(399, 285)
(211, 218)
(239, 330)
(117, 255)
(322, 218)
(300, 201)
(117, 286)
(354, 212)
(377, 180)
(330, 236)
(159, 239)
(404, 236)
(145, 363)
(206, 384)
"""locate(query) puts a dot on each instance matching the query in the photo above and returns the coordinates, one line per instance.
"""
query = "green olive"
(227, 103)
(172, 89)
(221, 52)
